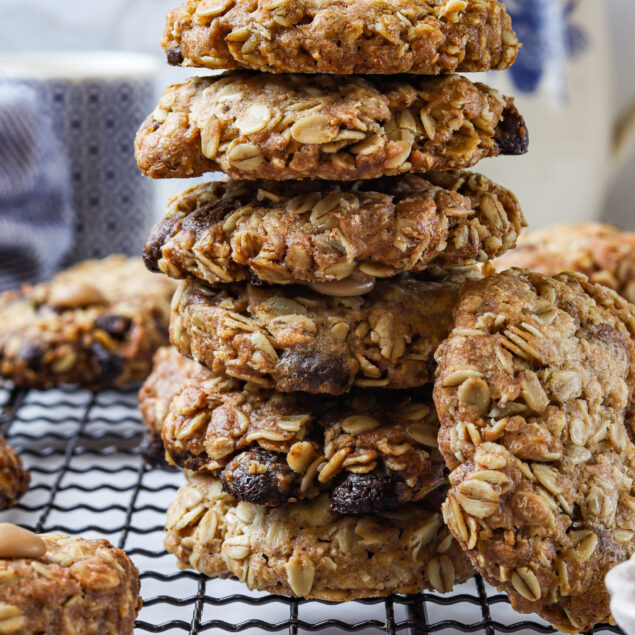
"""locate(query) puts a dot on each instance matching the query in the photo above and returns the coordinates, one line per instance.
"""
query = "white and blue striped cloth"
(36, 215)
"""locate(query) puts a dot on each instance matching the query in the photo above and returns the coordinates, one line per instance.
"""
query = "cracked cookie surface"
(278, 127)
(602, 252)
(534, 391)
(355, 37)
(306, 550)
(294, 339)
(96, 324)
(371, 450)
(78, 585)
(316, 231)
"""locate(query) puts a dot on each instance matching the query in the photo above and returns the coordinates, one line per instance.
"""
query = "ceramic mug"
(97, 101)
(562, 83)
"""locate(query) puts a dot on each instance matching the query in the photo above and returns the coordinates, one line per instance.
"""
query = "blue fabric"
(36, 215)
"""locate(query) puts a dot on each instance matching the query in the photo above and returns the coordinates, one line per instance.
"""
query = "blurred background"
(574, 82)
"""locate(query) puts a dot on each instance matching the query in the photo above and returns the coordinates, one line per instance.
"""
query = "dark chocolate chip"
(153, 453)
(511, 134)
(109, 364)
(158, 235)
(316, 373)
(31, 353)
(271, 488)
(175, 57)
(365, 493)
(115, 325)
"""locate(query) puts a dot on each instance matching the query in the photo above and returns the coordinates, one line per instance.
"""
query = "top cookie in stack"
(340, 281)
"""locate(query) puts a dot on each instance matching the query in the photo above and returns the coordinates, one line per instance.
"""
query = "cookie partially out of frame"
(294, 339)
(14, 478)
(602, 252)
(355, 37)
(534, 392)
(316, 231)
(96, 324)
(252, 125)
(306, 550)
(77, 586)
(372, 450)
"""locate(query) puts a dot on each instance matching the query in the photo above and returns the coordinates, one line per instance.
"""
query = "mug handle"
(624, 138)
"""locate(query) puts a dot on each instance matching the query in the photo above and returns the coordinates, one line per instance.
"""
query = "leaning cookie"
(307, 550)
(355, 37)
(58, 584)
(371, 450)
(604, 253)
(316, 231)
(534, 392)
(96, 324)
(294, 339)
(251, 126)
(14, 478)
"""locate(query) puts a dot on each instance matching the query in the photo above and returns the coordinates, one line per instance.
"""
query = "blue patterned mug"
(563, 85)
(97, 100)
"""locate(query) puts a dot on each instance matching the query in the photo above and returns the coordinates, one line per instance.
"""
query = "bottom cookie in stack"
(365, 504)
(305, 549)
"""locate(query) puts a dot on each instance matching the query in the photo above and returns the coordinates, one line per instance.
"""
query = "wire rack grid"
(87, 479)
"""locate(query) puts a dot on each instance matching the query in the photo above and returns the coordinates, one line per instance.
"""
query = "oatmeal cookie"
(602, 252)
(316, 231)
(97, 324)
(77, 586)
(14, 478)
(251, 126)
(307, 550)
(355, 37)
(371, 450)
(534, 391)
(292, 338)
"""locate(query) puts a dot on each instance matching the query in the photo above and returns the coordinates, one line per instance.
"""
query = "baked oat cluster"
(96, 325)
(72, 586)
(372, 450)
(429, 37)
(341, 270)
(256, 126)
(534, 393)
(602, 252)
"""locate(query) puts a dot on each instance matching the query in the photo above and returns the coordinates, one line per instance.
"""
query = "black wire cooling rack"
(88, 479)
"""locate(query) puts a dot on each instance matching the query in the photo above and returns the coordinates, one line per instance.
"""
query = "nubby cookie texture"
(317, 283)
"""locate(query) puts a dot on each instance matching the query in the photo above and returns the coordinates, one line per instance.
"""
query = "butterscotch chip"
(307, 550)
(310, 231)
(534, 391)
(96, 324)
(253, 125)
(77, 586)
(14, 478)
(371, 450)
(602, 252)
(291, 338)
(309, 36)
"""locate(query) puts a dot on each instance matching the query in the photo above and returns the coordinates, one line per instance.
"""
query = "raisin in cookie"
(534, 391)
(14, 478)
(355, 37)
(307, 550)
(97, 324)
(371, 450)
(604, 253)
(76, 586)
(292, 338)
(251, 126)
(316, 231)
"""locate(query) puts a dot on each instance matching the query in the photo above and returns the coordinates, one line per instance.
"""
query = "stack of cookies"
(318, 282)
